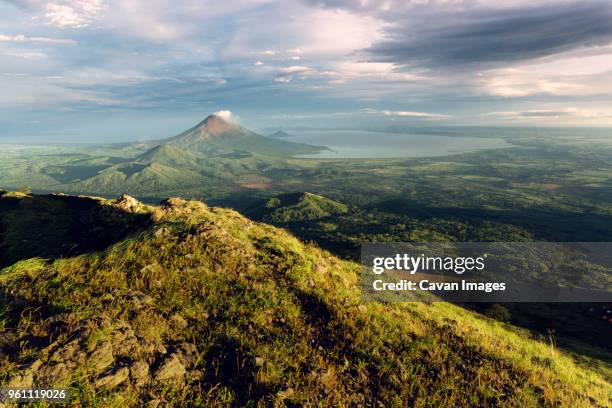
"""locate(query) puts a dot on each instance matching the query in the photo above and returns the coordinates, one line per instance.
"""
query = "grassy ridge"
(294, 207)
(223, 311)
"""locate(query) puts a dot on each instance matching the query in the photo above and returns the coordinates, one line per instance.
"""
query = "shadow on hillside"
(577, 327)
(545, 224)
(55, 226)
(233, 365)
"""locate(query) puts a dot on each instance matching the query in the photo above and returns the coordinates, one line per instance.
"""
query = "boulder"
(127, 202)
(112, 379)
(139, 372)
(102, 357)
(171, 369)
(21, 381)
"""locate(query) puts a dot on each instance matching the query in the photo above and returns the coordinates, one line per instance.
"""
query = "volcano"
(219, 135)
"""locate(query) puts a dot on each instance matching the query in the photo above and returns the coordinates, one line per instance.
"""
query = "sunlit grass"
(279, 322)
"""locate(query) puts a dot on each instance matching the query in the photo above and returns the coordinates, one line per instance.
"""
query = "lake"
(365, 144)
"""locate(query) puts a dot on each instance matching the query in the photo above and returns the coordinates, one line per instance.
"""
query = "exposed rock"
(159, 348)
(54, 374)
(113, 379)
(122, 333)
(102, 357)
(127, 202)
(172, 202)
(35, 365)
(161, 232)
(187, 353)
(22, 381)
(140, 300)
(171, 369)
(57, 323)
(69, 351)
(139, 371)
(61, 359)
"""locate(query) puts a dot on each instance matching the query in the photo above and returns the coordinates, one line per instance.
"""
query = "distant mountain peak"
(218, 123)
(220, 134)
(280, 134)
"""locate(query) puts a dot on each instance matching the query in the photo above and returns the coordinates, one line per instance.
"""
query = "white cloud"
(294, 69)
(25, 55)
(547, 114)
(382, 71)
(409, 114)
(20, 38)
(576, 73)
(287, 74)
(73, 13)
(320, 29)
(227, 116)
(299, 30)
(63, 16)
(283, 79)
(513, 82)
(132, 49)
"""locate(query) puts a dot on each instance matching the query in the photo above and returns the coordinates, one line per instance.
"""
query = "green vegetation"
(214, 156)
(550, 187)
(204, 307)
(215, 136)
(576, 326)
(296, 207)
(59, 225)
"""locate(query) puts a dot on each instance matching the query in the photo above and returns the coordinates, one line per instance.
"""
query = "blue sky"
(91, 70)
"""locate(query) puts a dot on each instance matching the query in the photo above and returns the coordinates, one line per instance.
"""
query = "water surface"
(365, 144)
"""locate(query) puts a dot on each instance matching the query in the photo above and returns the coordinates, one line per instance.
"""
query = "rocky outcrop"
(171, 369)
(113, 378)
(111, 355)
(128, 203)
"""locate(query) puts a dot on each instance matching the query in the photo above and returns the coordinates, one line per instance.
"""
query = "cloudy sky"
(83, 70)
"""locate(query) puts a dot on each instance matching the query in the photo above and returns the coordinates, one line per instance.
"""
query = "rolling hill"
(295, 207)
(212, 155)
(216, 156)
(168, 155)
(198, 306)
(139, 177)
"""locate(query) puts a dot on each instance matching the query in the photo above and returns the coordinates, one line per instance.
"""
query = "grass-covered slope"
(168, 155)
(59, 225)
(207, 308)
(138, 177)
(295, 207)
